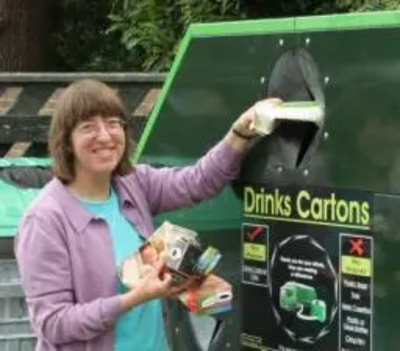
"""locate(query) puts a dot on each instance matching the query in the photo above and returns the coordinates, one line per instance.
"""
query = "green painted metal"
(222, 69)
(264, 26)
(351, 21)
(299, 24)
(260, 26)
(164, 92)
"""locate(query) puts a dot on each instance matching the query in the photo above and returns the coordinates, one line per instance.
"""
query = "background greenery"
(143, 35)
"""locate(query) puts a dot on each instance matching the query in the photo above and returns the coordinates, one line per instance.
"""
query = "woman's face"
(98, 145)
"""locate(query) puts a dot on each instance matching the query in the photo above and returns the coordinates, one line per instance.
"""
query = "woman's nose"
(102, 132)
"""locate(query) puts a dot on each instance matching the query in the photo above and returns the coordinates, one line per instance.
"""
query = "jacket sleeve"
(170, 188)
(43, 262)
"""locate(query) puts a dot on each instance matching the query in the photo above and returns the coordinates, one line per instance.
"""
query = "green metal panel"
(221, 69)
(355, 21)
(299, 24)
(387, 271)
(349, 21)
(275, 26)
(362, 97)
(164, 92)
(205, 98)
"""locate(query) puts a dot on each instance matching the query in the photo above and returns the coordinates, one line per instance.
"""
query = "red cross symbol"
(357, 246)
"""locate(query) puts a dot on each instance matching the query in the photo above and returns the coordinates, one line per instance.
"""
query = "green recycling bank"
(310, 230)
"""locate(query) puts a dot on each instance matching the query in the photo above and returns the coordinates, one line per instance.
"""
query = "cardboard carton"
(185, 260)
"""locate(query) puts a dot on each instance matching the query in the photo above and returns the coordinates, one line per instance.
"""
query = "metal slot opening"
(295, 77)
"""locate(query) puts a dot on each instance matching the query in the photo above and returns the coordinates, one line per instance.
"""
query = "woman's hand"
(156, 283)
(242, 129)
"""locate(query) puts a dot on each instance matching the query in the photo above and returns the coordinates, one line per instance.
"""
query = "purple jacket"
(65, 254)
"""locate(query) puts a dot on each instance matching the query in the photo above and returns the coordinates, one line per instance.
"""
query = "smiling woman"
(98, 145)
(76, 124)
(97, 211)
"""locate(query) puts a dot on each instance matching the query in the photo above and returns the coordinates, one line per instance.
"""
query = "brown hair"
(80, 101)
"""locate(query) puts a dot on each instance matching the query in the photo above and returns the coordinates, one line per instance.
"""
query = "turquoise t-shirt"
(141, 328)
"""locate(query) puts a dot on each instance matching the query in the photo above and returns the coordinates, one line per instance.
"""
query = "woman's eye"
(114, 122)
(87, 127)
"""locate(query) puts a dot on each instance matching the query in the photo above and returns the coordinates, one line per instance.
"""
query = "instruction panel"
(307, 270)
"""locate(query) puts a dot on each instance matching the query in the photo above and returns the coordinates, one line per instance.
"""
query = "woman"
(96, 211)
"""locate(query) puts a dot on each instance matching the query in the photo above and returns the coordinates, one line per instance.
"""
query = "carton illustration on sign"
(300, 298)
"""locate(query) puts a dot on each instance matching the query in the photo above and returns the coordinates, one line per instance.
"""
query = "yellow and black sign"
(255, 254)
(307, 269)
(315, 206)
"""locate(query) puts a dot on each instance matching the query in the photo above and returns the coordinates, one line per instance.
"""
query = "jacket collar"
(75, 211)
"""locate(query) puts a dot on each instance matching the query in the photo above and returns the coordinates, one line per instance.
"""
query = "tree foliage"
(369, 5)
(82, 41)
(152, 28)
(144, 35)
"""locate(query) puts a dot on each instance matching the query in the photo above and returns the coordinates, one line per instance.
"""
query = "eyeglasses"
(89, 128)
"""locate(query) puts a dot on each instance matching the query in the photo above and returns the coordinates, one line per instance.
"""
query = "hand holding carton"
(186, 261)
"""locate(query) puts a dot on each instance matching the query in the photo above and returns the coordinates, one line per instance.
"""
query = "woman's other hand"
(156, 283)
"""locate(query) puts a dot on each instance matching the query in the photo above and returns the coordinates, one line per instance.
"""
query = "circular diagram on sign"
(304, 288)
